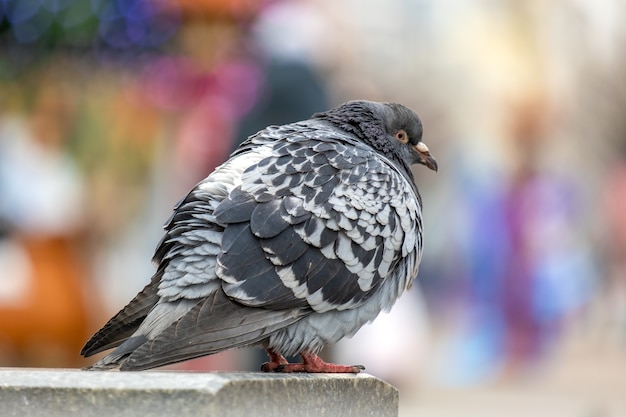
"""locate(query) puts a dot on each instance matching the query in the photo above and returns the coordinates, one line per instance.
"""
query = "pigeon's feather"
(306, 233)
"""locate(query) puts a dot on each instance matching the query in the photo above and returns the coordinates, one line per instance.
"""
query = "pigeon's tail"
(126, 322)
(114, 359)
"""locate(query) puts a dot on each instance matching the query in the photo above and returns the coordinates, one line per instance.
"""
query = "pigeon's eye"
(401, 136)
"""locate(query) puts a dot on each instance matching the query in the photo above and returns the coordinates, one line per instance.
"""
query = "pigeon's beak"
(427, 158)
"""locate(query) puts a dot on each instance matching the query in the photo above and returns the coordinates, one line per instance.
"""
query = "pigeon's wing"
(320, 224)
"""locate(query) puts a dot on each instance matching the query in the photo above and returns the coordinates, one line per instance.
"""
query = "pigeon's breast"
(315, 331)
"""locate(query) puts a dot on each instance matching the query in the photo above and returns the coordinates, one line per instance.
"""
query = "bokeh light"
(84, 24)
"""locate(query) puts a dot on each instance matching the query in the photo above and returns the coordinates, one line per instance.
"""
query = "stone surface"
(54, 392)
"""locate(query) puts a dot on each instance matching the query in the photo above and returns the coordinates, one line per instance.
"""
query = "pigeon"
(306, 233)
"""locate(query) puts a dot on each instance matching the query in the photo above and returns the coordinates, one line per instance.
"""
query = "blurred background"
(111, 110)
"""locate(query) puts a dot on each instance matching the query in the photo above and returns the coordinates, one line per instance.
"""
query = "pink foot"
(311, 363)
(276, 360)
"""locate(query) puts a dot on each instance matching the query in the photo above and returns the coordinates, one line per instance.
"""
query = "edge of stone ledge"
(72, 392)
(152, 379)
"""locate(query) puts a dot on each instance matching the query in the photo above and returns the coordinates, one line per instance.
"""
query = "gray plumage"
(305, 234)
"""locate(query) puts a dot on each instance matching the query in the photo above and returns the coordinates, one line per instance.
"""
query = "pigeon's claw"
(276, 361)
(311, 363)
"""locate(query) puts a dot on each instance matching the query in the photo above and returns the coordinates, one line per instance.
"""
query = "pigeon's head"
(391, 128)
(405, 127)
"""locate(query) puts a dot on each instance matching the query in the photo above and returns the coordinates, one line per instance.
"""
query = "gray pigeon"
(305, 234)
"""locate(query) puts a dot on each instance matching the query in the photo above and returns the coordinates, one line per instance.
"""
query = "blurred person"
(548, 273)
(290, 86)
(526, 265)
(43, 311)
(219, 84)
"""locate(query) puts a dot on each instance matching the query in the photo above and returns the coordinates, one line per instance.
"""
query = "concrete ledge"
(53, 392)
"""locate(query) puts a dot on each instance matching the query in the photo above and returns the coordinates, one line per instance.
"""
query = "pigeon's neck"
(362, 123)
(355, 119)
